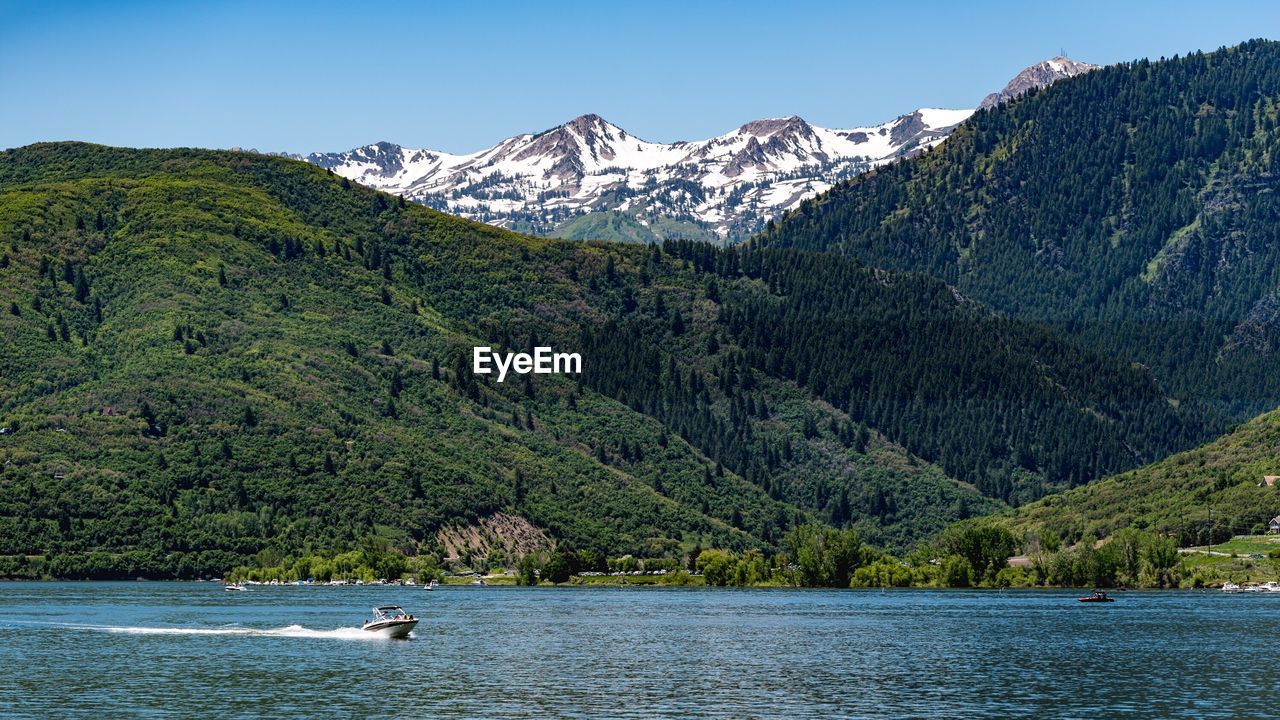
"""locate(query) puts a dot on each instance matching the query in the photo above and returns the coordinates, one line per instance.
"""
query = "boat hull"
(394, 630)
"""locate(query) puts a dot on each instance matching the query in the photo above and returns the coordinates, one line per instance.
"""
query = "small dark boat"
(1097, 596)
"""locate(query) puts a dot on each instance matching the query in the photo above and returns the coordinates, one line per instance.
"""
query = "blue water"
(106, 650)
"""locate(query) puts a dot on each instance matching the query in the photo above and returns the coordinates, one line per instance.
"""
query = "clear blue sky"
(317, 75)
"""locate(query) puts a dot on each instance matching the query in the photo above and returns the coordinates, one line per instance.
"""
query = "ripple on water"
(189, 649)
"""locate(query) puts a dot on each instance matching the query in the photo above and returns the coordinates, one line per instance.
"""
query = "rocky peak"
(587, 134)
(1042, 74)
(590, 125)
(387, 157)
(769, 127)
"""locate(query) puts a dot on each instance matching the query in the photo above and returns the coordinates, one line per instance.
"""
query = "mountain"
(1132, 208)
(1037, 76)
(1216, 490)
(721, 189)
(589, 179)
(214, 356)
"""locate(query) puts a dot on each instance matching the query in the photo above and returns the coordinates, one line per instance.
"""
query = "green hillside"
(1203, 495)
(1134, 208)
(211, 355)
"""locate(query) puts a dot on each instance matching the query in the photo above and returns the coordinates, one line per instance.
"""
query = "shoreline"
(1217, 588)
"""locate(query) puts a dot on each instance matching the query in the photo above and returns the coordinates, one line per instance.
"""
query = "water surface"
(106, 650)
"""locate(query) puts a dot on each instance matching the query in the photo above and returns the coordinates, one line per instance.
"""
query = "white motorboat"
(431, 585)
(233, 587)
(1231, 588)
(390, 621)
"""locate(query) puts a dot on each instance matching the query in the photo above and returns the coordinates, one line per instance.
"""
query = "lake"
(106, 650)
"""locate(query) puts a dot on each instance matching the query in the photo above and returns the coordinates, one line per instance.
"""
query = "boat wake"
(291, 631)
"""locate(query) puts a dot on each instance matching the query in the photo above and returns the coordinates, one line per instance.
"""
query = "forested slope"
(207, 354)
(1133, 208)
(1203, 495)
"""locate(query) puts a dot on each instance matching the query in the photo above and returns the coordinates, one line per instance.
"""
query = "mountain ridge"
(1131, 208)
(559, 181)
(729, 184)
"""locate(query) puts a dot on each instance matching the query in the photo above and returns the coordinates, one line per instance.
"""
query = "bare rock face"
(1258, 332)
(906, 128)
(1037, 76)
(512, 534)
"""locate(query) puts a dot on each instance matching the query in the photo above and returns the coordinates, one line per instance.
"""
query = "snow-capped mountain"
(589, 178)
(1037, 76)
(727, 186)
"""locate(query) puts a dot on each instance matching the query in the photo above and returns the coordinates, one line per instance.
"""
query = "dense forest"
(213, 358)
(1002, 404)
(1133, 208)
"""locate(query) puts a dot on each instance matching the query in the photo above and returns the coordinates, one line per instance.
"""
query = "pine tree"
(82, 286)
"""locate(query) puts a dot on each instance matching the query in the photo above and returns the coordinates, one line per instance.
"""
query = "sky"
(460, 76)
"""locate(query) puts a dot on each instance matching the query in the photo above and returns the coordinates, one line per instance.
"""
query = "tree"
(1127, 546)
(717, 566)
(82, 286)
(956, 571)
(527, 570)
(986, 547)
(826, 557)
(1161, 553)
(557, 568)
(148, 414)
